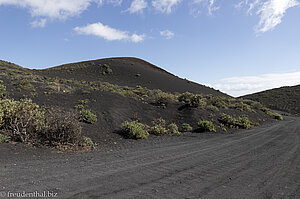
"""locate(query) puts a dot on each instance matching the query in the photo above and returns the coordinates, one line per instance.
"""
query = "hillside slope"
(284, 99)
(127, 89)
(127, 71)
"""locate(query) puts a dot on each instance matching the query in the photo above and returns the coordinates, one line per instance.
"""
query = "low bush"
(25, 121)
(21, 119)
(3, 92)
(198, 101)
(276, 116)
(106, 69)
(163, 99)
(158, 127)
(134, 130)
(173, 129)
(87, 116)
(186, 127)
(26, 85)
(62, 128)
(241, 107)
(219, 102)
(185, 97)
(206, 126)
(88, 142)
(212, 108)
(4, 138)
(232, 122)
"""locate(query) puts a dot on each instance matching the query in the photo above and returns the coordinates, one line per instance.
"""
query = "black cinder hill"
(116, 90)
(127, 71)
(284, 99)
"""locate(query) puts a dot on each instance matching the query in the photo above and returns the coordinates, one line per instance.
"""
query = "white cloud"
(165, 6)
(137, 6)
(43, 10)
(114, 2)
(238, 86)
(252, 6)
(54, 9)
(271, 13)
(108, 33)
(167, 34)
(209, 4)
(39, 23)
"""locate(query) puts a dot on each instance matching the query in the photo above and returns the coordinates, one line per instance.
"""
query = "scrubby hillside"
(127, 71)
(285, 99)
(106, 93)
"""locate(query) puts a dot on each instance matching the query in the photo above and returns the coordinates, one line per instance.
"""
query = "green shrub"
(107, 69)
(240, 122)
(244, 122)
(198, 101)
(21, 119)
(26, 85)
(24, 121)
(134, 130)
(186, 127)
(219, 102)
(88, 142)
(162, 99)
(206, 126)
(159, 127)
(241, 107)
(3, 92)
(212, 108)
(87, 116)
(4, 138)
(276, 116)
(173, 129)
(185, 97)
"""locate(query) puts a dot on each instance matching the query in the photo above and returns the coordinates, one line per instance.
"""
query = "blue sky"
(237, 46)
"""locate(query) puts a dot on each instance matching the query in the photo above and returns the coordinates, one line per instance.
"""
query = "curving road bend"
(262, 162)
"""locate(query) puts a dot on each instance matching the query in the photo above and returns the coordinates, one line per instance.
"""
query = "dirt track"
(259, 163)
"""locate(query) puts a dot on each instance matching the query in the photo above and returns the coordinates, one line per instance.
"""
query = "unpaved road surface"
(259, 163)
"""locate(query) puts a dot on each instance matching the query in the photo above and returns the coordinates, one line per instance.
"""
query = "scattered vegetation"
(283, 99)
(276, 116)
(26, 85)
(198, 101)
(212, 108)
(159, 127)
(173, 129)
(206, 126)
(88, 142)
(30, 123)
(88, 116)
(24, 121)
(3, 92)
(4, 138)
(162, 98)
(21, 119)
(186, 127)
(134, 130)
(106, 69)
(232, 122)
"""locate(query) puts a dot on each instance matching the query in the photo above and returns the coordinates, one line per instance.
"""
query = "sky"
(236, 46)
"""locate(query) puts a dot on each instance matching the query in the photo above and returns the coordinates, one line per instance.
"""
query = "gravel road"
(262, 162)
